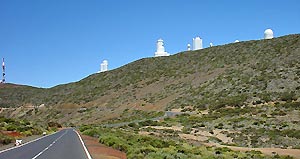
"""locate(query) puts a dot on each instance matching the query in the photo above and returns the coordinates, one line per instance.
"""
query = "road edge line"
(14, 147)
(84, 147)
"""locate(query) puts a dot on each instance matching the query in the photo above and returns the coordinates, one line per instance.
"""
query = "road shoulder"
(100, 151)
(24, 141)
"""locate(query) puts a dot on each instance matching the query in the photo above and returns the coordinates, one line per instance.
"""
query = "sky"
(50, 42)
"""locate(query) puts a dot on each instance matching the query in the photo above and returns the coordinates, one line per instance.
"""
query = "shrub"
(54, 124)
(85, 127)
(36, 131)
(149, 123)
(292, 105)
(264, 115)
(27, 133)
(5, 139)
(91, 132)
(11, 127)
(219, 126)
(133, 125)
(186, 130)
(140, 147)
(280, 113)
(288, 96)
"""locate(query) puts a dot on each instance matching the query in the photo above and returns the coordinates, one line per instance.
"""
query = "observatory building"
(104, 66)
(160, 49)
(268, 34)
(197, 43)
(189, 47)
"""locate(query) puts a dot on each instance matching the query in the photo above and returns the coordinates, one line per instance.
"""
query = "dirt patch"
(218, 134)
(100, 151)
(193, 137)
(268, 151)
(203, 137)
(175, 128)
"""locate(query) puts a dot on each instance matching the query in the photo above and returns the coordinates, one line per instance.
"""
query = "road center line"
(40, 153)
(26, 143)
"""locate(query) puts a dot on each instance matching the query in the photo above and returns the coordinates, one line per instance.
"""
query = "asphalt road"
(64, 144)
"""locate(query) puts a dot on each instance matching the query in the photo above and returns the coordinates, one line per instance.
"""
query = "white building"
(189, 47)
(160, 49)
(268, 34)
(197, 43)
(104, 66)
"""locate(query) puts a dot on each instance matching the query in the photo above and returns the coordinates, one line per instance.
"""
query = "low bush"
(288, 96)
(140, 146)
(149, 123)
(4, 140)
(54, 124)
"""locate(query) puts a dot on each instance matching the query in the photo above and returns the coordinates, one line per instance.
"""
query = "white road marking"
(40, 153)
(85, 149)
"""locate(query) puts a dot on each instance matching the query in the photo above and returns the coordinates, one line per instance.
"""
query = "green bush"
(11, 128)
(291, 105)
(219, 126)
(140, 147)
(288, 96)
(91, 132)
(27, 133)
(186, 130)
(54, 124)
(85, 127)
(149, 123)
(133, 125)
(5, 139)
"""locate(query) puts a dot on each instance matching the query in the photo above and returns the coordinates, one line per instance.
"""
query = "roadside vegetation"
(148, 146)
(11, 129)
(195, 133)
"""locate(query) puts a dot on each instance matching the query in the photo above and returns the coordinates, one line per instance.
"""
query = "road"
(64, 144)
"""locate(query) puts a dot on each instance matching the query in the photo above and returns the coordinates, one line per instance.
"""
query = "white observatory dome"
(160, 49)
(268, 34)
(105, 62)
(160, 40)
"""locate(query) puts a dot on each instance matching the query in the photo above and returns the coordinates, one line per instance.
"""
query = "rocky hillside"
(237, 74)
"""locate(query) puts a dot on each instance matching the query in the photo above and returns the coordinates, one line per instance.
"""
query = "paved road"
(64, 144)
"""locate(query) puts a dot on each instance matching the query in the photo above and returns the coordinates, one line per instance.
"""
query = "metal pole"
(3, 71)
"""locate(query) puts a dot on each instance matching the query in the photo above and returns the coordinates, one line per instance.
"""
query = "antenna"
(3, 71)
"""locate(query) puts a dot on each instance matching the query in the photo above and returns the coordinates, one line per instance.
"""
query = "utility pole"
(3, 71)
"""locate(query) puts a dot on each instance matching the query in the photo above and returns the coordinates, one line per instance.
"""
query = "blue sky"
(51, 42)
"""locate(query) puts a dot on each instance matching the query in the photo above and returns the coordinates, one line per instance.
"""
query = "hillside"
(236, 74)
(241, 96)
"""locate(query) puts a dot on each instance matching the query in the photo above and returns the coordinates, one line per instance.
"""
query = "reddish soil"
(100, 151)
(11, 133)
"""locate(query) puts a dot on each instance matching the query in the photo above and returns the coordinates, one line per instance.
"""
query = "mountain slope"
(235, 74)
